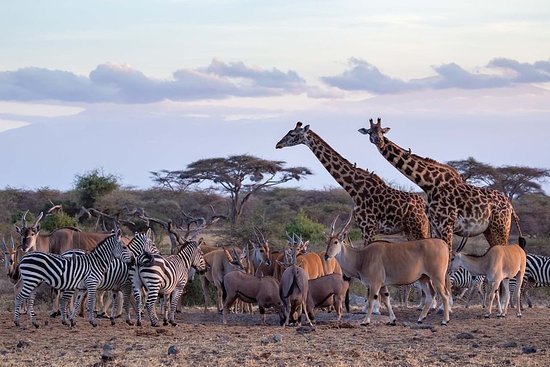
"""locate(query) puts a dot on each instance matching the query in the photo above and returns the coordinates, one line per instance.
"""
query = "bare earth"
(201, 340)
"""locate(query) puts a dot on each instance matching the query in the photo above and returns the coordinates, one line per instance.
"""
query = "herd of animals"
(295, 281)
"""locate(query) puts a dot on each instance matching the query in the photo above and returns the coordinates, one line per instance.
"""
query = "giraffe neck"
(424, 172)
(339, 167)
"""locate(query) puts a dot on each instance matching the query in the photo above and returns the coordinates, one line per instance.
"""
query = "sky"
(131, 87)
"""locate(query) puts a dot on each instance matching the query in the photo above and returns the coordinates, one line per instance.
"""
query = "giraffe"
(454, 206)
(378, 208)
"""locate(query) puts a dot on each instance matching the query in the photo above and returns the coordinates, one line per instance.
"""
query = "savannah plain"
(200, 339)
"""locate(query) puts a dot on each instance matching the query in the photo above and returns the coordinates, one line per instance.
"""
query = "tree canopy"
(514, 181)
(239, 176)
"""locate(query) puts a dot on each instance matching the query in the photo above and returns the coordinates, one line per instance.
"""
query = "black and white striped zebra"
(118, 276)
(465, 281)
(67, 274)
(537, 274)
(166, 276)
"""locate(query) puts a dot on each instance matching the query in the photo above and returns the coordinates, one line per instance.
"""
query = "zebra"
(118, 276)
(67, 274)
(462, 279)
(537, 274)
(166, 276)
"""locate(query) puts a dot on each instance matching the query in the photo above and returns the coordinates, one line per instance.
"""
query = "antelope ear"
(37, 228)
(17, 229)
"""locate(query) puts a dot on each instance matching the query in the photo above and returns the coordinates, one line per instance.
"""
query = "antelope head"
(29, 235)
(261, 248)
(335, 241)
(376, 133)
(10, 256)
(296, 136)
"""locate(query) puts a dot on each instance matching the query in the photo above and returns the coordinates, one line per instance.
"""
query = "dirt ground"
(201, 340)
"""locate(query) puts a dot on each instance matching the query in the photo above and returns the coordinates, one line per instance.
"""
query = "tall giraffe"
(454, 206)
(378, 208)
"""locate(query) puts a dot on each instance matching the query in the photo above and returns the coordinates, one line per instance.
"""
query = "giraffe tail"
(521, 240)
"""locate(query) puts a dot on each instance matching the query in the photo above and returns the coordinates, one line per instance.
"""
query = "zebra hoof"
(365, 324)
(173, 323)
(129, 322)
(165, 323)
(391, 323)
(35, 324)
(93, 323)
(486, 316)
(138, 323)
(112, 321)
(55, 314)
(73, 323)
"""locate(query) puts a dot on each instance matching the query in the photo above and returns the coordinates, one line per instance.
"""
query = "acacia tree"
(240, 176)
(514, 181)
(91, 185)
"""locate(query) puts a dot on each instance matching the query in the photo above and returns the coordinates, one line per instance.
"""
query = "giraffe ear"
(364, 131)
(385, 130)
(306, 128)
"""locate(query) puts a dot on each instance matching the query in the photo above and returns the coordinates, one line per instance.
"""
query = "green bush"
(55, 221)
(309, 230)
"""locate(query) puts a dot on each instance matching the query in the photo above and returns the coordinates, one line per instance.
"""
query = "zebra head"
(120, 250)
(198, 262)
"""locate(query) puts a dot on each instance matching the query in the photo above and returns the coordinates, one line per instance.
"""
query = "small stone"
(277, 338)
(509, 345)
(465, 336)
(107, 354)
(528, 350)
(22, 344)
(172, 350)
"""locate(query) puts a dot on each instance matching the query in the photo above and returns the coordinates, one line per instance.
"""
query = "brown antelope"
(328, 290)
(220, 262)
(498, 264)
(251, 289)
(293, 289)
(383, 263)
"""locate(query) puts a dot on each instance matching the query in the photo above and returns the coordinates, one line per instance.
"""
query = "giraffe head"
(376, 133)
(294, 137)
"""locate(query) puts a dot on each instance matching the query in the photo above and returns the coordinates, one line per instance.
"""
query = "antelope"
(498, 264)
(383, 263)
(220, 262)
(251, 289)
(328, 290)
(293, 289)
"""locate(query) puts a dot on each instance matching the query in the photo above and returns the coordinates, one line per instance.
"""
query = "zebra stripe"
(537, 274)
(166, 276)
(67, 274)
(462, 279)
(118, 276)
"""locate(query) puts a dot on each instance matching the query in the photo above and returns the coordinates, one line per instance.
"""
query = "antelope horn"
(38, 219)
(24, 219)
(333, 225)
(346, 226)
(4, 246)
(12, 243)
(288, 238)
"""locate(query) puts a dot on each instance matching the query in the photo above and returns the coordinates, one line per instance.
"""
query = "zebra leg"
(114, 306)
(76, 304)
(139, 304)
(164, 308)
(175, 296)
(27, 288)
(30, 309)
(56, 310)
(126, 294)
(91, 286)
(152, 296)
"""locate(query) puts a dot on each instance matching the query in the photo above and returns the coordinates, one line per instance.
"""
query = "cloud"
(538, 72)
(362, 76)
(123, 84)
